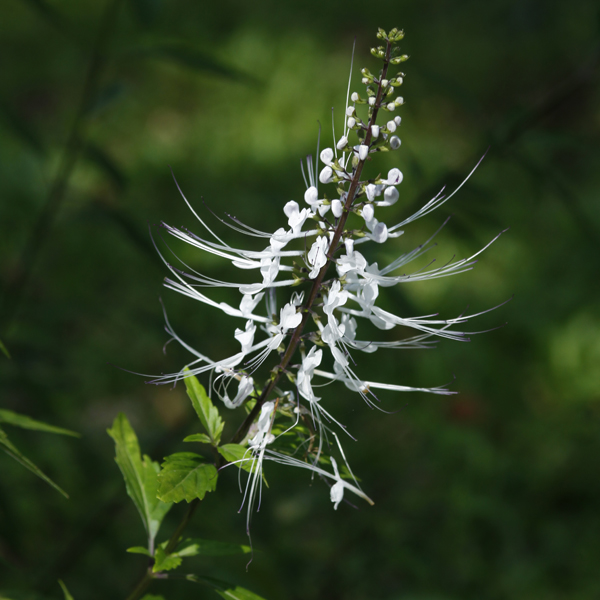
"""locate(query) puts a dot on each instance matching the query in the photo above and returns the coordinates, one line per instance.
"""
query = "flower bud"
(342, 143)
(327, 156)
(391, 106)
(354, 97)
(391, 125)
(336, 208)
(351, 122)
(368, 212)
(311, 195)
(394, 176)
(326, 175)
(350, 111)
(363, 152)
(399, 101)
(375, 131)
(384, 82)
(372, 101)
(398, 120)
(395, 142)
(365, 80)
(390, 195)
(349, 243)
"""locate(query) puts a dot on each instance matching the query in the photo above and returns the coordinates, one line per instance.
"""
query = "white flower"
(336, 208)
(394, 142)
(363, 152)
(342, 143)
(317, 257)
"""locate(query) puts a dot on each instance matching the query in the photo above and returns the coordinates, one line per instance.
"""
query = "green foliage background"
(491, 494)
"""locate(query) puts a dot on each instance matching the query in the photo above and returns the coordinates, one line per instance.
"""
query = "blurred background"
(490, 494)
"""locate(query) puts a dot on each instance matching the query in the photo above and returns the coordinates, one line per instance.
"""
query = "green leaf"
(153, 597)
(165, 562)
(139, 550)
(25, 422)
(4, 350)
(65, 590)
(12, 451)
(198, 437)
(140, 475)
(226, 590)
(206, 411)
(185, 476)
(233, 452)
(198, 547)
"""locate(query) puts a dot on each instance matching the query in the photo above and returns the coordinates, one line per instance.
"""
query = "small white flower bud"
(380, 233)
(384, 82)
(365, 80)
(326, 175)
(398, 120)
(311, 195)
(399, 101)
(391, 106)
(350, 111)
(371, 191)
(354, 97)
(399, 80)
(336, 208)
(390, 195)
(375, 131)
(368, 212)
(363, 152)
(342, 143)
(351, 122)
(372, 100)
(395, 142)
(394, 176)
(391, 125)
(327, 156)
(349, 243)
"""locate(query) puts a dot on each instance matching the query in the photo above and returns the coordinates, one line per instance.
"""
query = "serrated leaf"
(198, 437)
(65, 590)
(185, 476)
(25, 422)
(139, 550)
(165, 562)
(205, 409)
(198, 547)
(4, 350)
(234, 452)
(226, 590)
(15, 453)
(140, 475)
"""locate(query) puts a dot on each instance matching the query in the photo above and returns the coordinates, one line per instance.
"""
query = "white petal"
(326, 175)
(342, 143)
(368, 212)
(363, 152)
(395, 142)
(311, 195)
(336, 208)
(327, 156)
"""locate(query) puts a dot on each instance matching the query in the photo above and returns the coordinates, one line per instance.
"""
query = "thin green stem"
(58, 187)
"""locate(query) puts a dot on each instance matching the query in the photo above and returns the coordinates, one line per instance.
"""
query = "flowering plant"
(310, 332)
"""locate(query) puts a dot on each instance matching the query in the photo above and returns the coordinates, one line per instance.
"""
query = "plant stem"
(59, 184)
(149, 576)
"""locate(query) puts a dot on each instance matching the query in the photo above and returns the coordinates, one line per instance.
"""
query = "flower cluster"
(313, 334)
